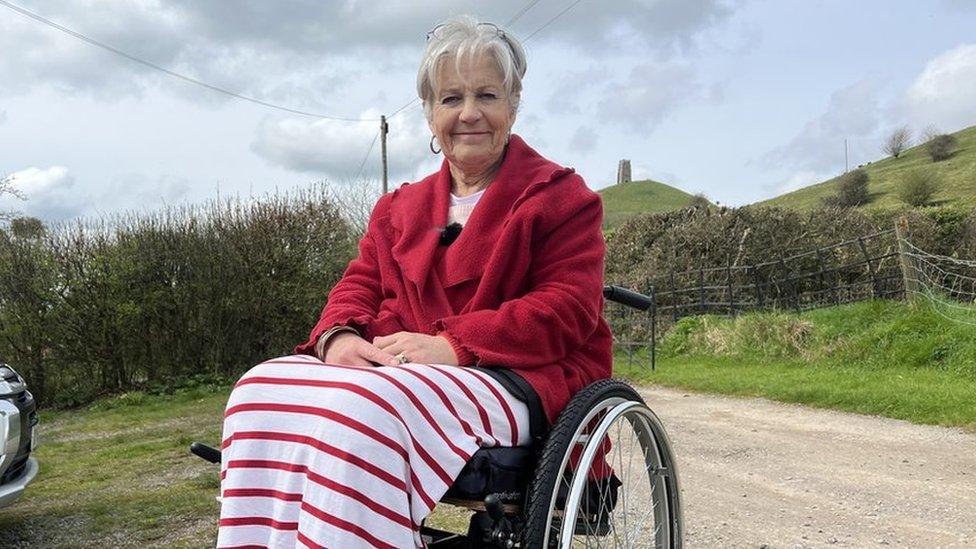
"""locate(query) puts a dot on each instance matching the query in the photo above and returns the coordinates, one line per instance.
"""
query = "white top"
(461, 207)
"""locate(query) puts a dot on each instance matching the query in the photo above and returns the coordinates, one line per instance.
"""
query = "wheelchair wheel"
(606, 477)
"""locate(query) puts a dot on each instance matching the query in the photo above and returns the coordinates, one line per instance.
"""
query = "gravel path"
(761, 474)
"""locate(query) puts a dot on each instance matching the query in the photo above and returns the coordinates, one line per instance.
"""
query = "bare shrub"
(354, 199)
(941, 147)
(852, 189)
(917, 187)
(929, 133)
(899, 140)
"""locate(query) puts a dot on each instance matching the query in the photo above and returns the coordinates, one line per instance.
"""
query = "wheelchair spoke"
(651, 470)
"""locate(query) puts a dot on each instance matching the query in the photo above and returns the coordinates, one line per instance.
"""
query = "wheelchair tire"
(557, 492)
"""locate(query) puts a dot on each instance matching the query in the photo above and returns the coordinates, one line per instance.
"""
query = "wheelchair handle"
(627, 297)
(206, 452)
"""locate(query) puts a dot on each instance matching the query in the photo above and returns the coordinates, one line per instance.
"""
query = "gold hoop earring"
(438, 151)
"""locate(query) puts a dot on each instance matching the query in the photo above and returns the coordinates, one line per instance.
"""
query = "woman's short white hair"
(465, 37)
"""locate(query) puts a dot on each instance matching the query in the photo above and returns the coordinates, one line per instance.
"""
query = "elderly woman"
(475, 290)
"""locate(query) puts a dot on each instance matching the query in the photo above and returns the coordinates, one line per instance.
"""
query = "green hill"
(957, 174)
(624, 200)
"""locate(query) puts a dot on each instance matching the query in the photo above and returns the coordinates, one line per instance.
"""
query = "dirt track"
(756, 474)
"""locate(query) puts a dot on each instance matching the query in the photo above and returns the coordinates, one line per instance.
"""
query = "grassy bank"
(884, 358)
(119, 475)
(958, 186)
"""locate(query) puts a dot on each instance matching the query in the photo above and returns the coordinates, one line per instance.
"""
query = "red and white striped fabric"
(317, 455)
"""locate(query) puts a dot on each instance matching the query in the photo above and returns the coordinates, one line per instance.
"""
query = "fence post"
(793, 293)
(759, 294)
(728, 283)
(653, 328)
(674, 297)
(907, 267)
(875, 288)
(701, 289)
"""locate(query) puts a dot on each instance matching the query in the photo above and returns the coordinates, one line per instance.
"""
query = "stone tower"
(623, 172)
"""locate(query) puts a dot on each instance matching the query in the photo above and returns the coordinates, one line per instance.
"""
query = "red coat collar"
(418, 213)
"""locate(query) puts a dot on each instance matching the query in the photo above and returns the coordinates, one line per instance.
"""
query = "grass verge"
(119, 475)
(882, 358)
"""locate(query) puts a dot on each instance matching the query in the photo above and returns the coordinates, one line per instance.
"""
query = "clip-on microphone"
(450, 233)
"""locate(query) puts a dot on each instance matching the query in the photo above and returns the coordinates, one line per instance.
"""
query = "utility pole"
(847, 164)
(384, 129)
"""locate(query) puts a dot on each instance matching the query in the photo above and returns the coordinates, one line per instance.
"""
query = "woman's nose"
(470, 111)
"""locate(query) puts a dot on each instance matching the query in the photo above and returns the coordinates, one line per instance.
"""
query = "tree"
(898, 141)
(941, 147)
(27, 227)
(917, 187)
(852, 189)
(7, 188)
(929, 133)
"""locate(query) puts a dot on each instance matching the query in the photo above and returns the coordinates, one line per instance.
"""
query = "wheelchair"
(603, 475)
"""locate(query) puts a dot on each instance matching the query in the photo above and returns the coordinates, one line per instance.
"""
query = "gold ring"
(401, 358)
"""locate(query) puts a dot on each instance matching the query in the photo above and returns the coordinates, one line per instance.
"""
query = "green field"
(625, 200)
(882, 358)
(957, 174)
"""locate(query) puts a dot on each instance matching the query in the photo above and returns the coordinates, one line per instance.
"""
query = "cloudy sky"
(738, 99)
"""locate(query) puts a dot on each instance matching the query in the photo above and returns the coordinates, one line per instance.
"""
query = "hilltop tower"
(623, 172)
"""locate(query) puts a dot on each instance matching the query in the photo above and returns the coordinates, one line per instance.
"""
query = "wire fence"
(867, 267)
(946, 284)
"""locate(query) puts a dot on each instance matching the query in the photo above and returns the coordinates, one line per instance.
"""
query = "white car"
(18, 435)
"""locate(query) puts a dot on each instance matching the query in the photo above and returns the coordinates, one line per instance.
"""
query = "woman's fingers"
(374, 354)
(383, 342)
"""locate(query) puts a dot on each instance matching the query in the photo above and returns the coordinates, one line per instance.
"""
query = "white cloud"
(852, 113)
(944, 94)
(33, 181)
(3, 116)
(48, 192)
(648, 95)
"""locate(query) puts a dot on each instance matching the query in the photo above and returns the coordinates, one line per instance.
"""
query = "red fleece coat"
(520, 288)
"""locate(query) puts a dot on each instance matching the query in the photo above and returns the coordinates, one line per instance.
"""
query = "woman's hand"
(415, 347)
(348, 349)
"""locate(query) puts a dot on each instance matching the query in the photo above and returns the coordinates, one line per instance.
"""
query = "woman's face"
(472, 115)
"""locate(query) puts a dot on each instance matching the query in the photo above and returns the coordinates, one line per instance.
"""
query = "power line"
(549, 22)
(366, 157)
(404, 107)
(521, 12)
(174, 74)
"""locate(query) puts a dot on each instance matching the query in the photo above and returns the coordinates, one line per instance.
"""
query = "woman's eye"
(487, 96)
(450, 100)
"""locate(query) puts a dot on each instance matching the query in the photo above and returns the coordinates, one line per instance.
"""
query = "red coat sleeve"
(355, 299)
(563, 304)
